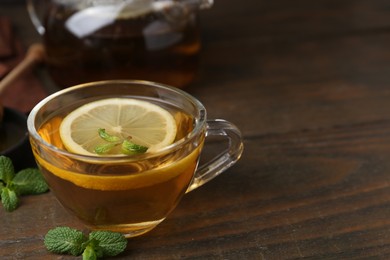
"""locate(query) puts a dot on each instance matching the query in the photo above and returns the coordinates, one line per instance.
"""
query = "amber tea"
(148, 46)
(116, 195)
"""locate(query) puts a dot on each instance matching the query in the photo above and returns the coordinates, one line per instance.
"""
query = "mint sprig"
(127, 147)
(98, 244)
(12, 185)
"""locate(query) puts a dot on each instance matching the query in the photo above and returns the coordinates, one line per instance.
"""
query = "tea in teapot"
(89, 40)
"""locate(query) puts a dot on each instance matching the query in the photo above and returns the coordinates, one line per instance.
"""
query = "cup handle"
(225, 159)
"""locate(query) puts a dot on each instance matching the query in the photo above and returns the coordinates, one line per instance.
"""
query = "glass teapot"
(89, 40)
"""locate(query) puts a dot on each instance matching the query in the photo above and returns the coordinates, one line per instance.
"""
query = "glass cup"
(130, 193)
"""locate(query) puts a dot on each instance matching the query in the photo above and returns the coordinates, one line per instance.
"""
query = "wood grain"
(307, 82)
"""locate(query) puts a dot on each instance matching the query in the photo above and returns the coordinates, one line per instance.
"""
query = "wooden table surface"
(308, 83)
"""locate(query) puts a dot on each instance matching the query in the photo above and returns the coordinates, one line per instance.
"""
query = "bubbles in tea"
(84, 47)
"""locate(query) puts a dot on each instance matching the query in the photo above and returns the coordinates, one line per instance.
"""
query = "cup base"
(130, 230)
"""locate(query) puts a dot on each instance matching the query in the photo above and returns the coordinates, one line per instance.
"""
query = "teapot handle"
(34, 15)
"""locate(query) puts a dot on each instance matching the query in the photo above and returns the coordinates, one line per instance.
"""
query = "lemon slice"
(142, 122)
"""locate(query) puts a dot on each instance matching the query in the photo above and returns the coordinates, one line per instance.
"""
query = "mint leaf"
(89, 253)
(132, 148)
(9, 199)
(92, 250)
(104, 148)
(65, 240)
(111, 243)
(7, 171)
(29, 181)
(107, 137)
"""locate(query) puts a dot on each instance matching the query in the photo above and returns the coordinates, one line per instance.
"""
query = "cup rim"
(199, 122)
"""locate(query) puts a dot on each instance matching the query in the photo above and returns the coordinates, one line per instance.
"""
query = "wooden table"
(308, 83)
